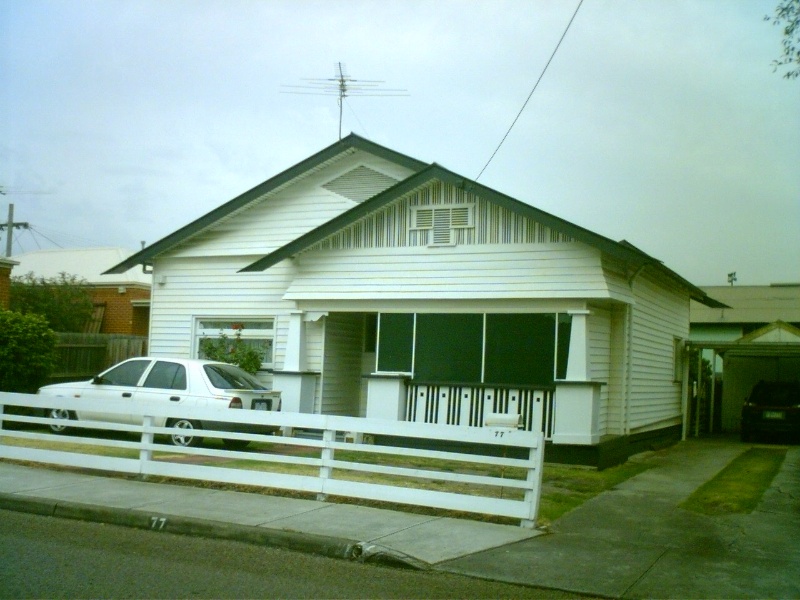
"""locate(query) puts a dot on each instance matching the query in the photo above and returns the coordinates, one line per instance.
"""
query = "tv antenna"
(342, 85)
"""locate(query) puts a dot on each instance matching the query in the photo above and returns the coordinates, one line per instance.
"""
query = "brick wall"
(120, 315)
(5, 286)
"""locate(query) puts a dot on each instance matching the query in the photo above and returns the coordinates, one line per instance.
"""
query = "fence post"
(533, 493)
(146, 454)
(326, 470)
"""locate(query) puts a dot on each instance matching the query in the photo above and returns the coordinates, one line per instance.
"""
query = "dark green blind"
(449, 347)
(396, 342)
(520, 348)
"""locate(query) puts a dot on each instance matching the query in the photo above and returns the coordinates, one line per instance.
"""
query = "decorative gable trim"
(360, 183)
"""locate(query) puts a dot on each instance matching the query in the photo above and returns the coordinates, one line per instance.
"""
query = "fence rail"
(486, 482)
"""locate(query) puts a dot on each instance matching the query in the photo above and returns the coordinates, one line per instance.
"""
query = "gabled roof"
(349, 143)
(423, 174)
(774, 339)
(774, 332)
(621, 250)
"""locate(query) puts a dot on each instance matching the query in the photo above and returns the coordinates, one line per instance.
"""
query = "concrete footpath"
(630, 542)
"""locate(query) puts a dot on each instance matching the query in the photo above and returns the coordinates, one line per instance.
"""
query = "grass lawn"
(565, 487)
(739, 486)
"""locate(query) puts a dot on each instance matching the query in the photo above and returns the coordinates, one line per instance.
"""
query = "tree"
(63, 300)
(234, 351)
(27, 351)
(787, 15)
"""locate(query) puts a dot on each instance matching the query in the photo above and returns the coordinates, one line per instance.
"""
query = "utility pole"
(9, 226)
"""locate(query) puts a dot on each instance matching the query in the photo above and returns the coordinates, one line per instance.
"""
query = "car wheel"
(236, 444)
(61, 414)
(187, 437)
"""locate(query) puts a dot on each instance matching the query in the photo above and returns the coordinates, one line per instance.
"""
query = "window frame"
(236, 325)
(678, 359)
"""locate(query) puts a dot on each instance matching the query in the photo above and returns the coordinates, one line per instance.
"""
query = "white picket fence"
(408, 460)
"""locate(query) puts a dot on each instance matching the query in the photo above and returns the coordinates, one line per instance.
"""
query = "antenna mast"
(342, 86)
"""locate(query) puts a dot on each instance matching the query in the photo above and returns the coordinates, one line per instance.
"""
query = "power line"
(563, 35)
(350, 106)
(35, 231)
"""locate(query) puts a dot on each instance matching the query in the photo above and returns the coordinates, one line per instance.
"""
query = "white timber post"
(295, 359)
(685, 390)
(145, 450)
(326, 468)
(578, 361)
(577, 398)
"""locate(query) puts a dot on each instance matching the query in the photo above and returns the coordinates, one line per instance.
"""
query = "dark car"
(772, 407)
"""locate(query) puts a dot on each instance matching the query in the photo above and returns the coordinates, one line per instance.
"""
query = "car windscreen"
(230, 377)
(776, 395)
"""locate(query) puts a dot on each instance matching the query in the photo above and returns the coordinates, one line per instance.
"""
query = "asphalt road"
(47, 557)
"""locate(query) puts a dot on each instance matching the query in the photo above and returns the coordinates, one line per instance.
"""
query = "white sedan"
(180, 381)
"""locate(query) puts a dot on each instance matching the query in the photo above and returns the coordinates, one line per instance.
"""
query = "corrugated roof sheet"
(86, 263)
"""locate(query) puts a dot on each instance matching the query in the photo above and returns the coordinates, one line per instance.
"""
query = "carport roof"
(775, 339)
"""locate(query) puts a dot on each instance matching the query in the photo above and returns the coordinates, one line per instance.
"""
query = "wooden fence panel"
(82, 355)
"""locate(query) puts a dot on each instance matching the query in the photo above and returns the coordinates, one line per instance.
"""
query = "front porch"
(444, 369)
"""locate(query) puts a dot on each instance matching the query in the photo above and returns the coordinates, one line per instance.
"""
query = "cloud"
(658, 122)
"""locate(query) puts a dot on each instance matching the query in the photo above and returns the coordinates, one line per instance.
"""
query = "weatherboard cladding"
(544, 271)
(661, 314)
(617, 370)
(341, 380)
(599, 332)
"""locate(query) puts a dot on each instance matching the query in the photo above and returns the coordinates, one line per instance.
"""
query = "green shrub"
(64, 300)
(27, 351)
(234, 351)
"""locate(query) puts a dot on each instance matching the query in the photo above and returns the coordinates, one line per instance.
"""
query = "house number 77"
(158, 523)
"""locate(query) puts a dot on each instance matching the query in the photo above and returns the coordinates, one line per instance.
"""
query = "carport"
(771, 353)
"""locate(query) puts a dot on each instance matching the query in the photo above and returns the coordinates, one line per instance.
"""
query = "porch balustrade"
(470, 404)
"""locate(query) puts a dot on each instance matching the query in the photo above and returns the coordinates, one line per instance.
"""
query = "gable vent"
(442, 221)
(360, 184)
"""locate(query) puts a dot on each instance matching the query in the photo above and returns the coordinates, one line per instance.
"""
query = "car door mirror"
(98, 380)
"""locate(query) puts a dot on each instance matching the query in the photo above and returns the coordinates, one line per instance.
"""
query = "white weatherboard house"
(381, 286)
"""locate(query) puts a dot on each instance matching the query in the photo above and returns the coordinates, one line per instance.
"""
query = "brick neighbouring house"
(122, 302)
(6, 265)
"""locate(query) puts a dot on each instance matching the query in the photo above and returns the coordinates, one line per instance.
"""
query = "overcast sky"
(658, 121)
